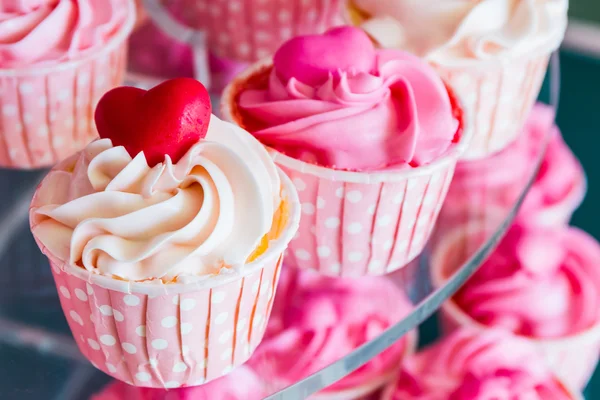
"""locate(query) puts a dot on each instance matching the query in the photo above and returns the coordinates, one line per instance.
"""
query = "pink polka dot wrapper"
(499, 96)
(47, 112)
(247, 30)
(176, 334)
(573, 358)
(360, 223)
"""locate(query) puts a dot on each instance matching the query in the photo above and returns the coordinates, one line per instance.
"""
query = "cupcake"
(478, 365)
(318, 320)
(493, 52)
(241, 384)
(541, 283)
(165, 237)
(485, 190)
(57, 58)
(247, 31)
(370, 139)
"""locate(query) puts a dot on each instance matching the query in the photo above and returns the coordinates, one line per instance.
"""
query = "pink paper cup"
(47, 112)
(573, 358)
(173, 335)
(359, 223)
(248, 30)
(499, 96)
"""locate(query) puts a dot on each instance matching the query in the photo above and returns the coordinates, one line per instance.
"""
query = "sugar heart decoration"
(165, 120)
(310, 59)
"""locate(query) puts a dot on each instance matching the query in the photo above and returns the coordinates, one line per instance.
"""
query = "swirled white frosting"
(455, 32)
(114, 215)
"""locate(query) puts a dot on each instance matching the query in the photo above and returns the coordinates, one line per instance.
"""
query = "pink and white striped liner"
(499, 96)
(356, 224)
(47, 113)
(360, 223)
(572, 358)
(173, 335)
(248, 30)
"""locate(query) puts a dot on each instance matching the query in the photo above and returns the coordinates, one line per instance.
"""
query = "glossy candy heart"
(165, 120)
(311, 58)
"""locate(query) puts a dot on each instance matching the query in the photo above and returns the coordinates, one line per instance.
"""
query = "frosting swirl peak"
(354, 109)
(552, 270)
(116, 216)
(35, 31)
(469, 365)
(455, 32)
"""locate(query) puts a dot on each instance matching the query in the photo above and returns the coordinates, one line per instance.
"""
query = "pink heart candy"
(310, 59)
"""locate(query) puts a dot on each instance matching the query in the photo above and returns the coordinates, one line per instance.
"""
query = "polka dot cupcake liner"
(572, 358)
(47, 113)
(248, 30)
(173, 335)
(499, 97)
(360, 223)
(352, 229)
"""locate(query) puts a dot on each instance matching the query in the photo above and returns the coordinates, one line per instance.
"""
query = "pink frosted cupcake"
(478, 365)
(370, 139)
(493, 52)
(241, 384)
(542, 284)
(57, 58)
(165, 237)
(318, 320)
(485, 190)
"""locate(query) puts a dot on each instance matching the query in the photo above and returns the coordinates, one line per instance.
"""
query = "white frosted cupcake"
(492, 52)
(166, 237)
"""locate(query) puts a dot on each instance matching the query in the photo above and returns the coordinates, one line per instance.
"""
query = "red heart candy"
(310, 59)
(165, 120)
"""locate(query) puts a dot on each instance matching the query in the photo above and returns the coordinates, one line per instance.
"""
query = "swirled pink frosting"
(317, 320)
(334, 100)
(36, 31)
(469, 365)
(241, 384)
(560, 180)
(540, 282)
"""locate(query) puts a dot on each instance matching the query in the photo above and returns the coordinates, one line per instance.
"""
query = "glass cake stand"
(40, 360)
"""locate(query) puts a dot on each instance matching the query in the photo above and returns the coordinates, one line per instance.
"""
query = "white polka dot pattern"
(37, 111)
(255, 29)
(352, 224)
(125, 332)
(497, 123)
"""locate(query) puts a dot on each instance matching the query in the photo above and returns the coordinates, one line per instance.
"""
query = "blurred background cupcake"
(484, 191)
(235, 33)
(541, 283)
(493, 52)
(470, 365)
(57, 58)
(317, 320)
